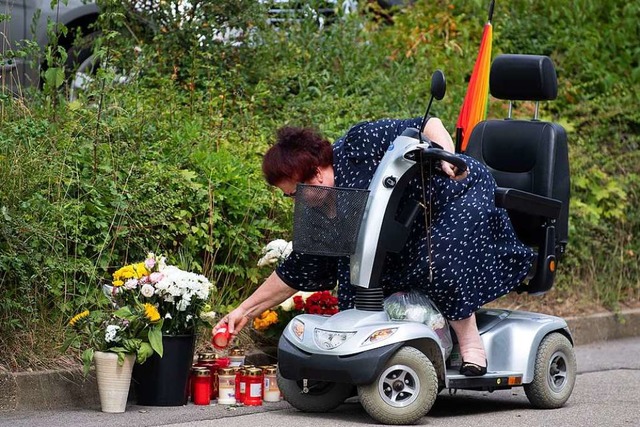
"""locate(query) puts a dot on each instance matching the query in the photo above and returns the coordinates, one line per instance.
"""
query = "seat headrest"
(523, 78)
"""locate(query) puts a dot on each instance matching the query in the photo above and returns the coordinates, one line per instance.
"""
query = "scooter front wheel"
(314, 396)
(405, 390)
(554, 373)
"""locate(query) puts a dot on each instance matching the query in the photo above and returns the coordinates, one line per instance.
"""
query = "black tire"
(322, 396)
(554, 373)
(412, 375)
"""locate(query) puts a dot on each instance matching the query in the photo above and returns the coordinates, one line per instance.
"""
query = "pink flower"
(150, 263)
(156, 277)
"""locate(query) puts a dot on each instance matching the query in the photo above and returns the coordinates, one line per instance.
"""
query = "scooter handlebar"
(433, 153)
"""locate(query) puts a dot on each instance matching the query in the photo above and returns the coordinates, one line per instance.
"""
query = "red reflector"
(552, 266)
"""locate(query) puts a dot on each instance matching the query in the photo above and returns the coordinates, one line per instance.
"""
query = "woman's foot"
(472, 370)
(474, 359)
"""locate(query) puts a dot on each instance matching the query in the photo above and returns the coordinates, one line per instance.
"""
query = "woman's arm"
(271, 293)
(436, 132)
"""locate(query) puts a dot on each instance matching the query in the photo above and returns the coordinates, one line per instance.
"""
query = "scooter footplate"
(489, 381)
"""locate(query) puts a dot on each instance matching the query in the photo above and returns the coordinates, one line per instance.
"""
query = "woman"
(475, 255)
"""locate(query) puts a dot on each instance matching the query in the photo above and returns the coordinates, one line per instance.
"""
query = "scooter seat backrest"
(527, 155)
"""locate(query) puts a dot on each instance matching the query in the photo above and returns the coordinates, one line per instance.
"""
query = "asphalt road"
(607, 393)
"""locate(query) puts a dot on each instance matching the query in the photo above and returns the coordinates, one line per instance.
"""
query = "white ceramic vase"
(113, 380)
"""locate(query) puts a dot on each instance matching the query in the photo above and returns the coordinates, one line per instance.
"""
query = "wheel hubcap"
(399, 386)
(557, 372)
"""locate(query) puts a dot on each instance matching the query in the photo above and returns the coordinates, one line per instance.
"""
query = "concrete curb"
(70, 389)
(604, 326)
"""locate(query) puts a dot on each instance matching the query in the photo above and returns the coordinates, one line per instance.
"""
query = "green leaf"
(87, 358)
(144, 352)
(155, 339)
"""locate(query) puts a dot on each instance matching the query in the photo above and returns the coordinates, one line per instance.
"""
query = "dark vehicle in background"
(25, 34)
(26, 20)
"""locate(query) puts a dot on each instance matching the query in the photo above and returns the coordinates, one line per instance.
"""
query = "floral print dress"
(475, 254)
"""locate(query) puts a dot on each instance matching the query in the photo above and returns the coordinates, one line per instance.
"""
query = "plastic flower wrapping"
(179, 297)
(417, 307)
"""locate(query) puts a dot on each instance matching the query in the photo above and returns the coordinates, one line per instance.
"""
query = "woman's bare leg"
(471, 347)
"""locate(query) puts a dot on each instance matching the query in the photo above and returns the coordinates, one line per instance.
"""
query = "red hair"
(297, 155)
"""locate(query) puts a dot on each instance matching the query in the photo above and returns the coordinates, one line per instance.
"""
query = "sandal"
(472, 370)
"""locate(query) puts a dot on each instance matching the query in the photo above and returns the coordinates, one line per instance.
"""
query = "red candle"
(201, 386)
(221, 338)
(253, 391)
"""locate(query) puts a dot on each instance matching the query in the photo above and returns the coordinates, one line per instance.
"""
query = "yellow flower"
(265, 320)
(78, 317)
(151, 313)
(133, 271)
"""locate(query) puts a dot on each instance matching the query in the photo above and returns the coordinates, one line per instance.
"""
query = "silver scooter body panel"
(511, 338)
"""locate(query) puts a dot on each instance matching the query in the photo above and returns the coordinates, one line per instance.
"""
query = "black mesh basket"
(326, 220)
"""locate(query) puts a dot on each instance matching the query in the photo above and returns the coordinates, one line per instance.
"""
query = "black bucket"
(163, 381)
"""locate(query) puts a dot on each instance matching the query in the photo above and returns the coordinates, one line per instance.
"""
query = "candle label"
(255, 390)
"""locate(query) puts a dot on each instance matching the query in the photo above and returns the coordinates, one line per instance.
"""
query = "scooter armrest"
(529, 203)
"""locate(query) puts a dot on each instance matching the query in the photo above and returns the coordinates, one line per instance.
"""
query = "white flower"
(287, 305)
(111, 334)
(182, 305)
(147, 290)
(275, 251)
(167, 316)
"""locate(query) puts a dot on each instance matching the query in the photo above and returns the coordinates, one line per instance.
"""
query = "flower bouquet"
(272, 322)
(180, 297)
(181, 301)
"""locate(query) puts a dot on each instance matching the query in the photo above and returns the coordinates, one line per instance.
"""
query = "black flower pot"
(163, 381)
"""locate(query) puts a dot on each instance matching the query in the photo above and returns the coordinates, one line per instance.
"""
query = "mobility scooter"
(398, 367)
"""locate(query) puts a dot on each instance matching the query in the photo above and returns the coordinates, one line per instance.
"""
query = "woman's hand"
(453, 171)
(234, 322)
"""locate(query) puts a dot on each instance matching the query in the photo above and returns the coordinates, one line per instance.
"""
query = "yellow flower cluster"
(78, 317)
(133, 271)
(265, 320)
(151, 313)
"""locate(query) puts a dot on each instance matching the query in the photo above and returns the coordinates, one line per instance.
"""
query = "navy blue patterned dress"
(476, 255)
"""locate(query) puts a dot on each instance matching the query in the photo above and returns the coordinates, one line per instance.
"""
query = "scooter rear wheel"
(554, 373)
(405, 390)
(320, 396)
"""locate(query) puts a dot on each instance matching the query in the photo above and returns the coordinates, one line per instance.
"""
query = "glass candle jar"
(208, 360)
(223, 362)
(237, 370)
(221, 339)
(243, 383)
(253, 391)
(226, 386)
(270, 390)
(201, 385)
(236, 357)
